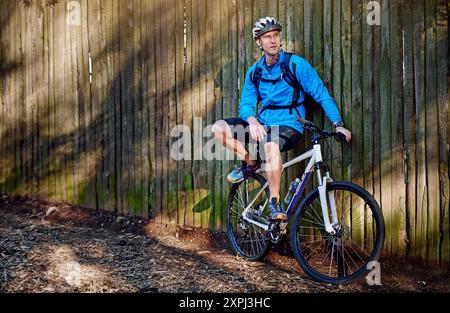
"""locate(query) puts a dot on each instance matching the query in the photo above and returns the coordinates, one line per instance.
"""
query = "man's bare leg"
(222, 133)
(274, 168)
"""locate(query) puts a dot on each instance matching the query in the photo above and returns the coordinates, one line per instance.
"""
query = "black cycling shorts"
(284, 136)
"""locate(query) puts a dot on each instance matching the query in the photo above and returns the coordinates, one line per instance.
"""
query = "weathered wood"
(211, 103)
(358, 135)
(107, 144)
(220, 183)
(409, 126)
(158, 112)
(346, 105)
(419, 88)
(188, 85)
(336, 83)
(368, 102)
(179, 84)
(398, 203)
(442, 66)
(385, 123)
(431, 130)
(3, 127)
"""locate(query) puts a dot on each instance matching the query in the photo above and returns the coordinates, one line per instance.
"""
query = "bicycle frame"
(315, 159)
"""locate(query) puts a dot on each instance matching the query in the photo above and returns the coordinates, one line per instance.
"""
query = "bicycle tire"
(338, 250)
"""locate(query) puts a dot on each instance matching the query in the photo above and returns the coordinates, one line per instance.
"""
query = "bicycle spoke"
(331, 259)
(306, 258)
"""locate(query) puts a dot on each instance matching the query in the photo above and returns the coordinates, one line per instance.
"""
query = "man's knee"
(272, 151)
(219, 129)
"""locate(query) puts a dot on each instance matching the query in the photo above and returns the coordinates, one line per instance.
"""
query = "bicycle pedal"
(283, 228)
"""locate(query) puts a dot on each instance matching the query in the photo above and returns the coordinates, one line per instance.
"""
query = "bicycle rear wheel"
(343, 257)
(246, 239)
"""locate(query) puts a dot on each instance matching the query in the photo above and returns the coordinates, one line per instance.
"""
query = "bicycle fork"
(323, 181)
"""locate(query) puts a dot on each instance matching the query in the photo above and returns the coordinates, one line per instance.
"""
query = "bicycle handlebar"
(340, 137)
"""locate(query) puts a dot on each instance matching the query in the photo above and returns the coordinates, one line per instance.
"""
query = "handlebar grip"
(340, 137)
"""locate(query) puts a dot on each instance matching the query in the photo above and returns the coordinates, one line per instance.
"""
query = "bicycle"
(333, 249)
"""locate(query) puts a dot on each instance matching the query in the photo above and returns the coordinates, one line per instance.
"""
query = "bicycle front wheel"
(343, 257)
(248, 240)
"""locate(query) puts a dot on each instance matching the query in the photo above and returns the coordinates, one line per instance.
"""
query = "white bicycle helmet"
(264, 25)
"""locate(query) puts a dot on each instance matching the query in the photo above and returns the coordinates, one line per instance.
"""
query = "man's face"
(270, 42)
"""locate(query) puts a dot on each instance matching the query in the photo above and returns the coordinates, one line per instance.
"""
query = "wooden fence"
(91, 90)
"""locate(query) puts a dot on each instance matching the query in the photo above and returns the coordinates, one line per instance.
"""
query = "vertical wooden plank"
(336, 90)
(358, 135)
(173, 184)
(189, 112)
(136, 193)
(211, 103)
(3, 128)
(118, 182)
(147, 53)
(92, 191)
(442, 53)
(346, 107)
(152, 102)
(201, 113)
(282, 17)
(60, 101)
(195, 108)
(327, 67)
(248, 26)
(51, 102)
(74, 137)
(226, 88)
(84, 163)
(398, 203)
(409, 125)
(127, 87)
(431, 128)
(289, 35)
(34, 66)
(271, 7)
(105, 191)
(27, 117)
(419, 88)
(40, 108)
(368, 103)
(307, 24)
(14, 76)
(46, 117)
(180, 118)
(290, 23)
(11, 77)
(220, 182)
(385, 117)
(69, 100)
(158, 112)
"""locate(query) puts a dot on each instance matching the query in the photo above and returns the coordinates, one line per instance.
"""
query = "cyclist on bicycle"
(274, 125)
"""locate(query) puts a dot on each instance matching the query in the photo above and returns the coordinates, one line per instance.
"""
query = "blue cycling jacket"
(281, 92)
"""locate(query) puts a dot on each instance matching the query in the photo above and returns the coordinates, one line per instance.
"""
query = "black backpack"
(289, 77)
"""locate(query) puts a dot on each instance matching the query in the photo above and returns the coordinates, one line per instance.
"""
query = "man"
(278, 110)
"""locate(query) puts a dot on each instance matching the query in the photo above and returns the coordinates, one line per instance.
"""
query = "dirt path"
(78, 250)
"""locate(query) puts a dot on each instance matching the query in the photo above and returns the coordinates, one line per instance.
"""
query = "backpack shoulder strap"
(288, 74)
(290, 77)
(256, 79)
